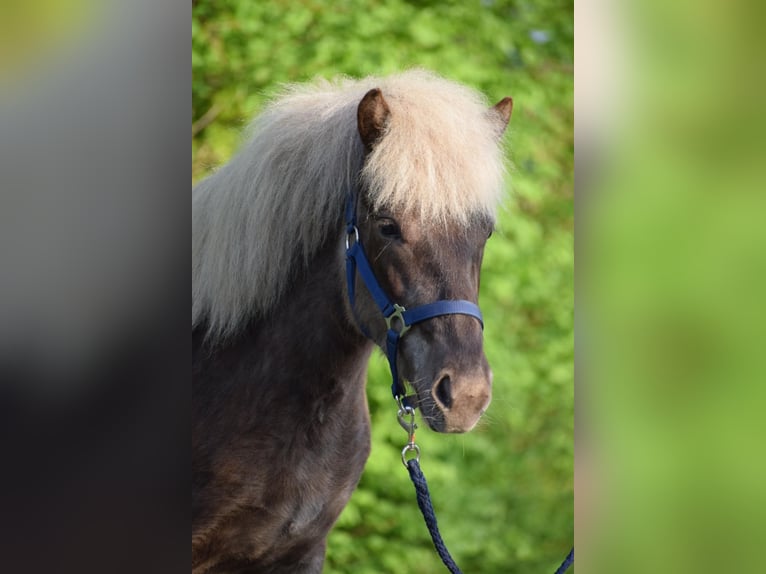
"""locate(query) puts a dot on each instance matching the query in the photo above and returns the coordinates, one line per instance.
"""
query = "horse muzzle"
(457, 401)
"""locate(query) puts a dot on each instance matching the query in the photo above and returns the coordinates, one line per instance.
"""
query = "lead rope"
(424, 502)
(568, 561)
(424, 497)
(421, 486)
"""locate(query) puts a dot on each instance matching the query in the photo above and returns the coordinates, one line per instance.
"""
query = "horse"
(283, 324)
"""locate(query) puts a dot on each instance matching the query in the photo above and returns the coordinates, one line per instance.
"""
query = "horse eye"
(390, 230)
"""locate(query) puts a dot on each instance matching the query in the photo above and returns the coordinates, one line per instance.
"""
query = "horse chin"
(433, 417)
(438, 419)
(441, 424)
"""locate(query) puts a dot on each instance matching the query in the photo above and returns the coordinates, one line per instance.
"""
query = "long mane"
(266, 212)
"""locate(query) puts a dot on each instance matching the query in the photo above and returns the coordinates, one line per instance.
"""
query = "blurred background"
(671, 245)
(504, 492)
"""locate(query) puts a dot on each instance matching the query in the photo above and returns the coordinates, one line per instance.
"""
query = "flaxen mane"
(274, 204)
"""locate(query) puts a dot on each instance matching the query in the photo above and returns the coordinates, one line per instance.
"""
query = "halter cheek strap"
(398, 319)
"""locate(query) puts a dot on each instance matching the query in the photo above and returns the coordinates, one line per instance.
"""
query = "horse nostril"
(443, 391)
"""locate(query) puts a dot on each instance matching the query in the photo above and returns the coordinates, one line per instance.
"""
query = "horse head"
(418, 261)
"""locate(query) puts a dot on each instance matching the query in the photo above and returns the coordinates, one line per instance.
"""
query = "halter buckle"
(352, 231)
(397, 314)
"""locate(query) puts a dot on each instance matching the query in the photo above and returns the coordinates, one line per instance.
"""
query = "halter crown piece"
(398, 319)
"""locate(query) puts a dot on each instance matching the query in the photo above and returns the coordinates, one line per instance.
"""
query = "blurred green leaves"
(503, 493)
(676, 277)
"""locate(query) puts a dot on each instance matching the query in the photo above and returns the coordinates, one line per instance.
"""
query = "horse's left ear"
(372, 117)
(502, 114)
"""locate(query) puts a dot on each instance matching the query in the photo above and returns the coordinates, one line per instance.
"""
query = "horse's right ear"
(502, 114)
(372, 117)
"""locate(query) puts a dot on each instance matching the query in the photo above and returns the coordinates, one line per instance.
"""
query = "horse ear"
(502, 113)
(372, 117)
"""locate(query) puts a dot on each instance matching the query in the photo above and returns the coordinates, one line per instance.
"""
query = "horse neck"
(313, 314)
(307, 338)
(289, 391)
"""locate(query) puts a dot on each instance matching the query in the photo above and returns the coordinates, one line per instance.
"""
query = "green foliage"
(504, 492)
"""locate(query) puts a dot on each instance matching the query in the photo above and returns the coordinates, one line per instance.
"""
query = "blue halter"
(398, 319)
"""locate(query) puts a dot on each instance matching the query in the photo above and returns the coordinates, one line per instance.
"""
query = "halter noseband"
(398, 319)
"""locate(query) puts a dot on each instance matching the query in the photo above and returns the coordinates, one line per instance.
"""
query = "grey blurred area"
(89, 216)
(94, 224)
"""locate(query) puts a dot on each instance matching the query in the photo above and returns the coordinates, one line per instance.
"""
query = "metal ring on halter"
(398, 314)
(356, 236)
(410, 447)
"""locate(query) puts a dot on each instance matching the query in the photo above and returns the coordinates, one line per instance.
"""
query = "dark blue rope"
(424, 502)
(568, 561)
